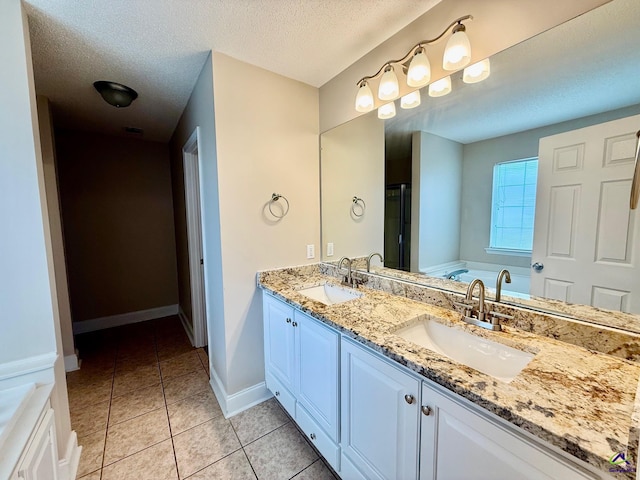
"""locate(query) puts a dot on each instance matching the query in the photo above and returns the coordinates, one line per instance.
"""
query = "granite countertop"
(581, 401)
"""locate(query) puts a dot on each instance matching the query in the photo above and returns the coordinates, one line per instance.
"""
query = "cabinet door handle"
(288, 320)
(295, 324)
(312, 436)
(277, 393)
(426, 410)
(409, 399)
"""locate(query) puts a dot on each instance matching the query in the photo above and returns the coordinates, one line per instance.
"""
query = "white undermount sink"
(330, 294)
(493, 358)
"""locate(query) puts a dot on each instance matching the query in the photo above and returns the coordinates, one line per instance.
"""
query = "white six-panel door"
(586, 236)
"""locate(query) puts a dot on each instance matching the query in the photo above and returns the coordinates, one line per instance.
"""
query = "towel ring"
(358, 202)
(274, 198)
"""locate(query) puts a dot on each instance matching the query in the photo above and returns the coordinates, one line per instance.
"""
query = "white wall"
(435, 200)
(267, 141)
(26, 314)
(497, 25)
(29, 319)
(477, 179)
(200, 112)
(353, 165)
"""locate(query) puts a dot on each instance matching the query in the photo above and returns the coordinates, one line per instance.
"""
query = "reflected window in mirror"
(513, 206)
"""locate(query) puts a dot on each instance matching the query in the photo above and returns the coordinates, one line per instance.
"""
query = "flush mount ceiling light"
(417, 68)
(115, 94)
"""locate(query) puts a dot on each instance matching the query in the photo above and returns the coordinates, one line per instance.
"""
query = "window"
(513, 205)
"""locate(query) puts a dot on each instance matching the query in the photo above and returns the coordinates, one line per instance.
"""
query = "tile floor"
(143, 409)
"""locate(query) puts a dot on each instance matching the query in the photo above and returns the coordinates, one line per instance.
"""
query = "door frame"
(193, 209)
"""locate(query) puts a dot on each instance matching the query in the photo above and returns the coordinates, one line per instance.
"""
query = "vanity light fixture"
(389, 88)
(457, 53)
(410, 100)
(364, 99)
(477, 72)
(440, 88)
(415, 64)
(388, 110)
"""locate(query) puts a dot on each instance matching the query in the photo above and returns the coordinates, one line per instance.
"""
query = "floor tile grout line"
(242, 447)
(166, 406)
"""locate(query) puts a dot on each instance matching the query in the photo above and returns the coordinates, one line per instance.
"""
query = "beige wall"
(497, 25)
(353, 165)
(199, 113)
(267, 141)
(55, 225)
(435, 201)
(118, 224)
(180, 226)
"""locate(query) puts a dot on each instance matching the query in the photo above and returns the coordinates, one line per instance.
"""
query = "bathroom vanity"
(355, 373)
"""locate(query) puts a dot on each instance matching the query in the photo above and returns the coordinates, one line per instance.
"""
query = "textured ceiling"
(588, 65)
(158, 48)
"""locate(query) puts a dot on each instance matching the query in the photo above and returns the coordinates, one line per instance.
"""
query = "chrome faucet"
(504, 274)
(369, 260)
(455, 273)
(347, 280)
(469, 297)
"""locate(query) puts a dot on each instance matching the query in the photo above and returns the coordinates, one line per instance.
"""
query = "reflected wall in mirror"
(559, 97)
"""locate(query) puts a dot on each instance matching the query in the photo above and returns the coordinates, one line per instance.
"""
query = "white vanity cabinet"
(302, 370)
(40, 460)
(380, 406)
(459, 442)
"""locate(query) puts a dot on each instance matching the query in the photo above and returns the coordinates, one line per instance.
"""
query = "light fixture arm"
(457, 22)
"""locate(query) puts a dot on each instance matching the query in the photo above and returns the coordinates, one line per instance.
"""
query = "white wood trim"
(124, 319)
(193, 205)
(186, 324)
(238, 402)
(71, 362)
(25, 366)
(68, 465)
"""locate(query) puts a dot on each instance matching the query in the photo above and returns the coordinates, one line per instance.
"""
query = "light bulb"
(477, 72)
(389, 88)
(410, 100)
(457, 53)
(419, 73)
(364, 98)
(440, 88)
(388, 110)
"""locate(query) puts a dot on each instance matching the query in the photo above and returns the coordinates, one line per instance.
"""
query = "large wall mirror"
(532, 166)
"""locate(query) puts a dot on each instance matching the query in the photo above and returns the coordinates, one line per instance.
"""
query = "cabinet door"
(41, 458)
(279, 349)
(458, 443)
(379, 426)
(317, 382)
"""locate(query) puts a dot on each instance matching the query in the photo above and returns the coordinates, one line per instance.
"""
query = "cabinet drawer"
(286, 399)
(320, 439)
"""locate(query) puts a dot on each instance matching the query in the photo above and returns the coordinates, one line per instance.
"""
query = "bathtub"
(520, 279)
(519, 283)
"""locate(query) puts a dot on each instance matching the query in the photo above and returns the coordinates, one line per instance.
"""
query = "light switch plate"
(311, 251)
(330, 249)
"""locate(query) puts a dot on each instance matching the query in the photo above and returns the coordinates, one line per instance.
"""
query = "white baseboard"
(186, 323)
(71, 362)
(124, 319)
(240, 401)
(68, 465)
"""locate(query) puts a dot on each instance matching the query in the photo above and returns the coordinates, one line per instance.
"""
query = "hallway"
(143, 409)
